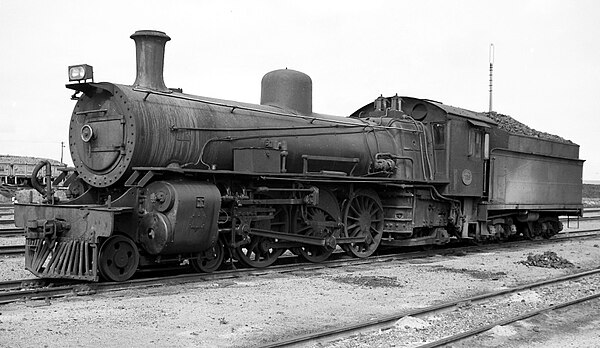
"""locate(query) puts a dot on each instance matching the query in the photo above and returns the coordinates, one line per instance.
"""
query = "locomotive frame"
(162, 177)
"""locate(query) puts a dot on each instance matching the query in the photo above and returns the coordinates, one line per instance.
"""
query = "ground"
(250, 311)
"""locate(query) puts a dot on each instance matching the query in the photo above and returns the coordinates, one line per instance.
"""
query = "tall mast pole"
(491, 73)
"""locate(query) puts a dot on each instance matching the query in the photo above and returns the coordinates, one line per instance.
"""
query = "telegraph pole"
(491, 72)
(62, 146)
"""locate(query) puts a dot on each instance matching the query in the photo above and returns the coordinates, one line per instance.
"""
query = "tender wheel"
(363, 216)
(119, 258)
(304, 224)
(550, 228)
(259, 252)
(209, 261)
(526, 230)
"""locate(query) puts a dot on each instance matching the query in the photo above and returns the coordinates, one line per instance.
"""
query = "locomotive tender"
(162, 176)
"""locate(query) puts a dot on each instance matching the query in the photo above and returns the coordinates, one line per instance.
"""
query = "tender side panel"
(542, 146)
(521, 180)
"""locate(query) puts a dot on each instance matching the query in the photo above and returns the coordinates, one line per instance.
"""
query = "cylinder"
(180, 217)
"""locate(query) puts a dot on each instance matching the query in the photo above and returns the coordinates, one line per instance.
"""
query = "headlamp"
(81, 72)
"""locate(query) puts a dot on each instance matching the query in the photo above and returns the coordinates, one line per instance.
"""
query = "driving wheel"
(363, 217)
(307, 223)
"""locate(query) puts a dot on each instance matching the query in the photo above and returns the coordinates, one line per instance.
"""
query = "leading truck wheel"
(119, 259)
(211, 260)
(307, 224)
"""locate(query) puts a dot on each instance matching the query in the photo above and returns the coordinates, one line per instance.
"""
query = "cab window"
(439, 135)
(475, 143)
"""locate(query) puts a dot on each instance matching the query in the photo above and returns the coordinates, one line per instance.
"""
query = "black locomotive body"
(162, 177)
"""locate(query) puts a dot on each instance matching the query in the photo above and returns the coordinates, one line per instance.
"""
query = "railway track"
(11, 232)
(388, 322)
(12, 249)
(34, 288)
(24, 290)
(580, 219)
(509, 320)
(19, 232)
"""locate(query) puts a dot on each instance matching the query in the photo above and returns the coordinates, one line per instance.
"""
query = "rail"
(12, 249)
(11, 232)
(15, 291)
(387, 322)
(470, 333)
(20, 249)
(286, 266)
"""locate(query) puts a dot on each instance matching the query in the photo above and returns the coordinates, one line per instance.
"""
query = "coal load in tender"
(511, 125)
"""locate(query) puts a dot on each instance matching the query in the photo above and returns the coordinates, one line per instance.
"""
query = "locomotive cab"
(461, 149)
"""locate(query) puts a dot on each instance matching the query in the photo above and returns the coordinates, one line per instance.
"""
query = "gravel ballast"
(250, 311)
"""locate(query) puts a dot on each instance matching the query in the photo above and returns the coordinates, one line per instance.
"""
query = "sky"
(546, 61)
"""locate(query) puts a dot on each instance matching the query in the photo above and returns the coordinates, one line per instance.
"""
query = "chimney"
(150, 59)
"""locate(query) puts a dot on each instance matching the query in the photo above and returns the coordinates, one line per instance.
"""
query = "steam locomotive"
(162, 177)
